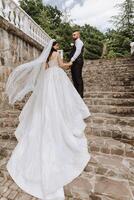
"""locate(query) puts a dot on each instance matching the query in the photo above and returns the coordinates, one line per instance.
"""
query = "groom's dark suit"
(76, 56)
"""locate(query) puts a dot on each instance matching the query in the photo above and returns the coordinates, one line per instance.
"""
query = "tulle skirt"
(52, 148)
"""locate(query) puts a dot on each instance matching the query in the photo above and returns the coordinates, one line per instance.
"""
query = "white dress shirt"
(79, 44)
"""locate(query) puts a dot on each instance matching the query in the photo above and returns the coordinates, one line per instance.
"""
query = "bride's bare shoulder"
(55, 53)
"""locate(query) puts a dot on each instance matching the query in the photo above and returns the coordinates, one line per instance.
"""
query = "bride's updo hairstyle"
(52, 50)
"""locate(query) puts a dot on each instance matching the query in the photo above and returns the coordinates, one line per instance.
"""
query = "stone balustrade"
(15, 15)
(132, 48)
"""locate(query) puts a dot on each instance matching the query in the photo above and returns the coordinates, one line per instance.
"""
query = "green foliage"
(50, 19)
(93, 41)
(118, 43)
(118, 40)
(124, 21)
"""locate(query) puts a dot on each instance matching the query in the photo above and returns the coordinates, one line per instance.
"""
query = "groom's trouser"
(76, 71)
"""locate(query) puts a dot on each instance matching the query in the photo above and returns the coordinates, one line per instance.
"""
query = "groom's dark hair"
(76, 31)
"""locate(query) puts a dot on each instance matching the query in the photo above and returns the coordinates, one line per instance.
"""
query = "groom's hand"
(70, 62)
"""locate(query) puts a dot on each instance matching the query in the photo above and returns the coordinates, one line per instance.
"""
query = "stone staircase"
(109, 93)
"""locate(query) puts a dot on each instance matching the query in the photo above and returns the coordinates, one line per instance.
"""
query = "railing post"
(21, 21)
(132, 48)
(1, 8)
(6, 10)
(19, 18)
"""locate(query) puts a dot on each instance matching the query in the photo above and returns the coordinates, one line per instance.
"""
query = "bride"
(52, 148)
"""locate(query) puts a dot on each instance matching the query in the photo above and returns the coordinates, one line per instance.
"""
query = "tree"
(124, 21)
(118, 45)
(60, 27)
(93, 41)
(118, 39)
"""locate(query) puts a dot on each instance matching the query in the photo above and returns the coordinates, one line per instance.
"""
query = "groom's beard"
(75, 39)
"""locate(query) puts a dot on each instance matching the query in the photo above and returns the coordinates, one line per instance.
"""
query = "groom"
(76, 56)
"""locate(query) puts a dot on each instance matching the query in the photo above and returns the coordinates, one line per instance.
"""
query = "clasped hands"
(70, 63)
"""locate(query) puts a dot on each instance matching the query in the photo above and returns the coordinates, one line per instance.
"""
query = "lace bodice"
(53, 63)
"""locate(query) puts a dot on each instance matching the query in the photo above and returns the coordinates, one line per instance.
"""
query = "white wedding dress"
(52, 148)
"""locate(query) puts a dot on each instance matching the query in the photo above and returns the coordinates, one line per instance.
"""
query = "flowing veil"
(24, 77)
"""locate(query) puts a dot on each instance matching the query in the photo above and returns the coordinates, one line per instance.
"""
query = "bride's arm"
(45, 65)
(62, 64)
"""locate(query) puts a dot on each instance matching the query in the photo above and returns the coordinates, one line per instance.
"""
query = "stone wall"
(15, 46)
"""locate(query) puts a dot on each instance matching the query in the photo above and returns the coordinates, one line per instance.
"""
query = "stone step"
(119, 128)
(116, 76)
(8, 122)
(110, 101)
(110, 77)
(116, 110)
(120, 67)
(9, 113)
(103, 87)
(125, 136)
(112, 166)
(112, 120)
(91, 186)
(7, 133)
(105, 95)
(104, 81)
(17, 107)
(109, 146)
(117, 71)
(107, 79)
(116, 67)
(113, 176)
(111, 72)
(110, 88)
(106, 177)
(110, 62)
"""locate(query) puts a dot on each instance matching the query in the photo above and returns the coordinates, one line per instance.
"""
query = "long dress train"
(52, 148)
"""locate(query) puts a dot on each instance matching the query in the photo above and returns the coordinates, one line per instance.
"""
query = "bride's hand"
(68, 65)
